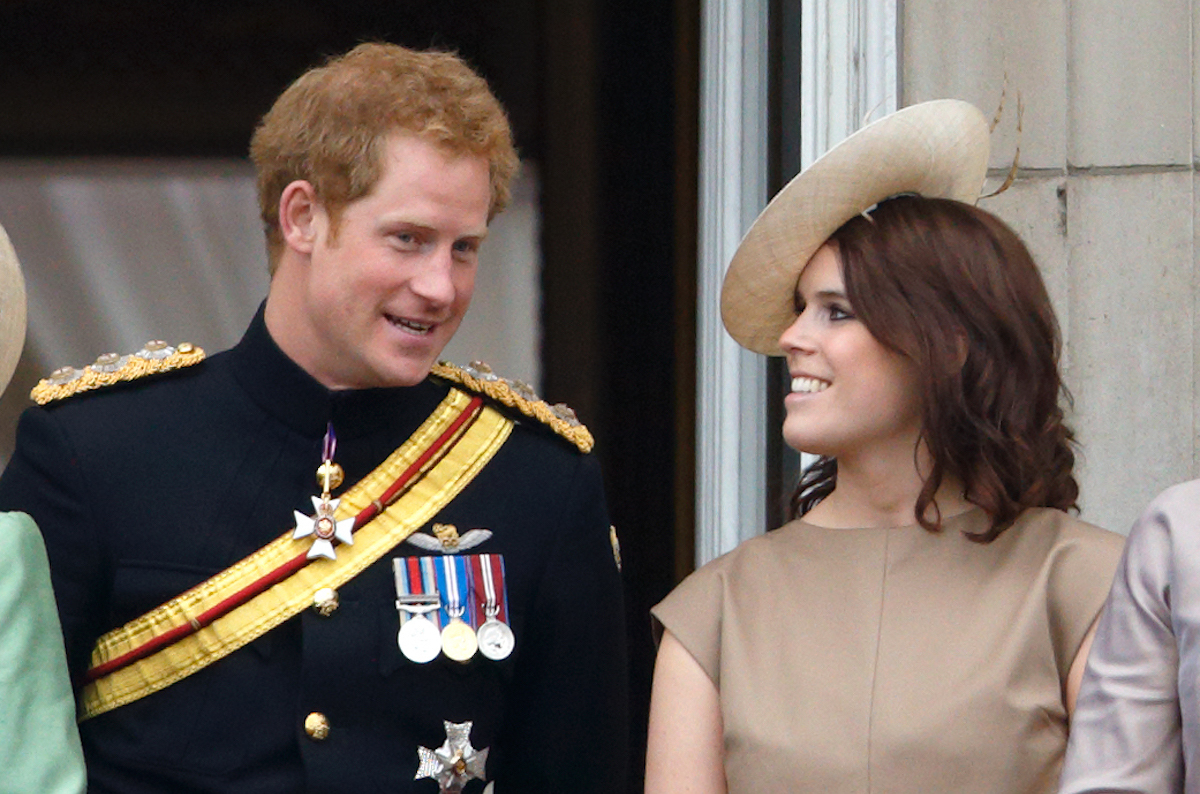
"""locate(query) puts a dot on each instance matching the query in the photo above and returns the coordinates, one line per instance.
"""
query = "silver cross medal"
(454, 763)
(322, 525)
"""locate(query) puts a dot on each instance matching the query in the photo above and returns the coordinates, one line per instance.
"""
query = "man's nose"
(434, 281)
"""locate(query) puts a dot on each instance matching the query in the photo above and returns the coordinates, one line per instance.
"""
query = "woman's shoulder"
(768, 549)
(740, 582)
(19, 537)
(1071, 555)
(747, 559)
(1075, 560)
(763, 564)
(1180, 501)
(1060, 530)
(1167, 533)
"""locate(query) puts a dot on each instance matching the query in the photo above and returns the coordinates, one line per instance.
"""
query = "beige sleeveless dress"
(896, 660)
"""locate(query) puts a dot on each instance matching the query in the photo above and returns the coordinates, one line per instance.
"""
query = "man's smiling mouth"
(412, 326)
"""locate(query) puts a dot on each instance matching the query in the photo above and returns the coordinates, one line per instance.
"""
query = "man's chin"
(408, 372)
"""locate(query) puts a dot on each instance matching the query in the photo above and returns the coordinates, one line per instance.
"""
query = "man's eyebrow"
(427, 229)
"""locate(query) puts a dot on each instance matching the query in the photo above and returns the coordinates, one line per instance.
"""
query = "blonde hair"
(329, 127)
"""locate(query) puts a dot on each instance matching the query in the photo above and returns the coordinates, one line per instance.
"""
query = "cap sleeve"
(693, 613)
(1081, 573)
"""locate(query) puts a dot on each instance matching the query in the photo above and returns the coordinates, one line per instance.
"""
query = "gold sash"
(445, 478)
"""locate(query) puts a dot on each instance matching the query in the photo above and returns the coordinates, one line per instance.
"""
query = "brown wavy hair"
(329, 127)
(953, 289)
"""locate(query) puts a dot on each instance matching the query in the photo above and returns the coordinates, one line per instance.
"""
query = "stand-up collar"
(284, 390)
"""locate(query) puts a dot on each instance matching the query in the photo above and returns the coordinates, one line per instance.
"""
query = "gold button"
(330, 476)
(316, 726)
(325, 601)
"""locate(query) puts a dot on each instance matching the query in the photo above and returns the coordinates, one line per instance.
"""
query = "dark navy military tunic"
(146, 489)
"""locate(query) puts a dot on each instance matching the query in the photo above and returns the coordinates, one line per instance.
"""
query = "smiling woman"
(925, 616)
(855, 397)
(952, 292)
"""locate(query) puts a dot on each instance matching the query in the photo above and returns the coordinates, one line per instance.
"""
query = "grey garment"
(39, 744)
(1136, 726)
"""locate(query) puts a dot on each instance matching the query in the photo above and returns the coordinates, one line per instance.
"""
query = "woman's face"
(850, 395)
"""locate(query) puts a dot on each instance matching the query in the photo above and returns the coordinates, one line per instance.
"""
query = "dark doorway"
(619, 203)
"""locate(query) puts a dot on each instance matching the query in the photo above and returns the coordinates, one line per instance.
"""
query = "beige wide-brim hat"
(937, 149)
(12, 310)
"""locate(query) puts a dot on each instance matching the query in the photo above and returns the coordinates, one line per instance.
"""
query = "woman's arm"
(685, 753)
(1075, 674)
(39, 743)
(1126, 732)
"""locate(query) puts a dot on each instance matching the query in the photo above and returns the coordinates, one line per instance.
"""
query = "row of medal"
(456, 605)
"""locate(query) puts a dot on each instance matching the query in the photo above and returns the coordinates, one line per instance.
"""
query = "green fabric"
(39, 743)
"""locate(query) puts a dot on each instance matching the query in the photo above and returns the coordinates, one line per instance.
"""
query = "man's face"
(383, 297)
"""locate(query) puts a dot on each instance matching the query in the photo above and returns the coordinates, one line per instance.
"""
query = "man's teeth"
(413, 325)
(808, 385)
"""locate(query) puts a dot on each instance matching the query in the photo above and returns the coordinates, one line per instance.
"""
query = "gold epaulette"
(110, 368)
(479, 378)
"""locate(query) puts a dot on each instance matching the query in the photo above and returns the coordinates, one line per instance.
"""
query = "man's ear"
(299, 215)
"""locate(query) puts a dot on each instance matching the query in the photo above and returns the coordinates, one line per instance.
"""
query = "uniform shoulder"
(110, 369)
(479, 378)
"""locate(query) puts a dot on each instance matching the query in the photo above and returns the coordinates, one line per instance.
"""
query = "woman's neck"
(881, 491)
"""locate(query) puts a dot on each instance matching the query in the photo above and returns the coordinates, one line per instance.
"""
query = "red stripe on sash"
(409, 477)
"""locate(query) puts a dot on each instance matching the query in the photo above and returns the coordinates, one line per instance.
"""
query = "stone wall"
(1106, 200)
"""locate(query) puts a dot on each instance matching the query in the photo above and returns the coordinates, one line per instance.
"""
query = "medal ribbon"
(488, 574)
(453, 581)
(329, 447)
(415, 577)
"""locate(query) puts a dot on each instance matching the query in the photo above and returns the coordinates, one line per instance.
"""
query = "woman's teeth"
(808, 385)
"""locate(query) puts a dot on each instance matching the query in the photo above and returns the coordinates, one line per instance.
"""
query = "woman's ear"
(299, 215)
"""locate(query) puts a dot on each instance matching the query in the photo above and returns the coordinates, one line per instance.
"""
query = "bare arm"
(685, 752)
(1075, 674)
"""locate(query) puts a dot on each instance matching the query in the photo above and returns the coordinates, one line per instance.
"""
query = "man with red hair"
(322, 561)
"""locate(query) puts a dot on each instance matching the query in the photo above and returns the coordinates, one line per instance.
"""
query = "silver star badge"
(324, 528)
(454, 763)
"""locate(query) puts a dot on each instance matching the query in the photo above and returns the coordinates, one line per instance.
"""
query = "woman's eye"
(838, 313)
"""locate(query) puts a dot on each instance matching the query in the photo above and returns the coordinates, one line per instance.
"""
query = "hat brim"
(936, 149)
(12, 310)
